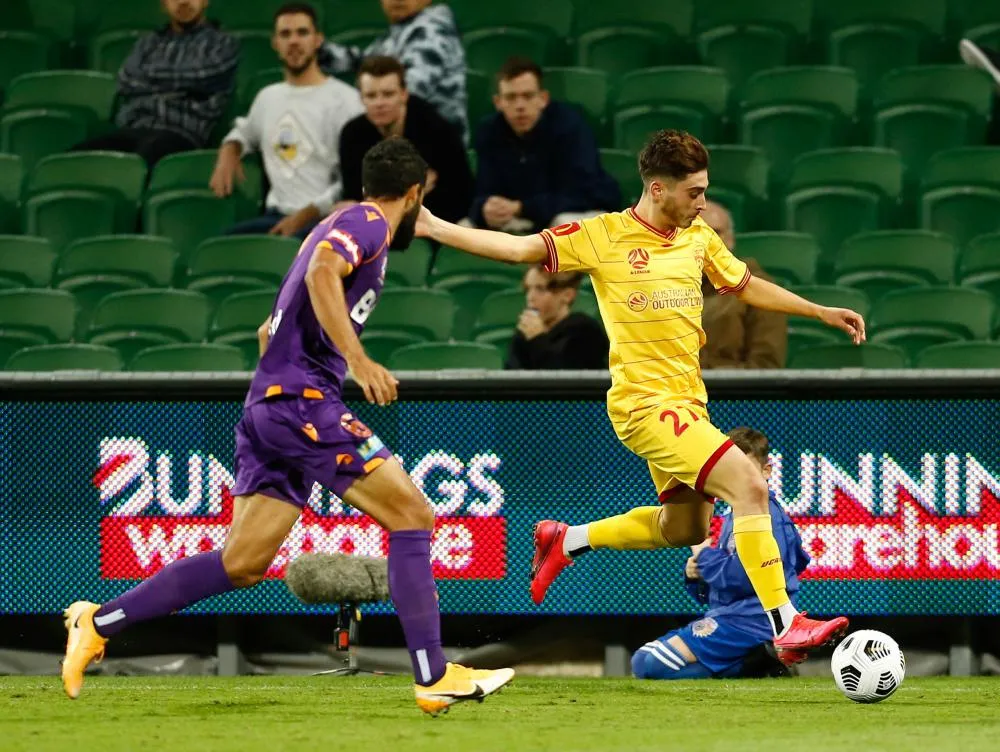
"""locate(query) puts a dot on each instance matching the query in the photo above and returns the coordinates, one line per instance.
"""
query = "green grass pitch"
(564, 715)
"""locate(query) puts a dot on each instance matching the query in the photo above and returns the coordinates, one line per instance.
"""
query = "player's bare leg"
(260, 525)
(388, 495)
(735, 478)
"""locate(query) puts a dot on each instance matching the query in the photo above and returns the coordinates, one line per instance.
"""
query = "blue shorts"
(719, 645)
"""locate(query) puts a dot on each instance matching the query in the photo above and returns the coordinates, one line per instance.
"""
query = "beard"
(298, 70)
(406, 231)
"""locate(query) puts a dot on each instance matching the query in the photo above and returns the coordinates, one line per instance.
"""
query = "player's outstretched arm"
(760, 293)
(499, 246)
(325, 282)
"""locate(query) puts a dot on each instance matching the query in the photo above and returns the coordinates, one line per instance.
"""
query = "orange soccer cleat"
(461, 684)
(549, 560)
(83, 645)
(804, 635)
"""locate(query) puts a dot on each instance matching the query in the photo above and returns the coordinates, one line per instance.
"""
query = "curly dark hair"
(391, 168)
(672, 155)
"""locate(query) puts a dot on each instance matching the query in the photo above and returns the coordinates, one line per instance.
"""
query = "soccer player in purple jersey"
(296, 431)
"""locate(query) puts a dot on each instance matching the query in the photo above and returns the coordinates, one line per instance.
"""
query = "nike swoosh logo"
(478, 693)
(76, 624)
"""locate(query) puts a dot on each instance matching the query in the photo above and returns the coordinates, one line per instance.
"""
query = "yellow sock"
(636, 530)
(759, 555)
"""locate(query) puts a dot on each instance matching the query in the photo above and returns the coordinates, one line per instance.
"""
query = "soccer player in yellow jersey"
(646, 265)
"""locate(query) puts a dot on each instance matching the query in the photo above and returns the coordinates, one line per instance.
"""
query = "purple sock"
(411, 586)
(174, 587)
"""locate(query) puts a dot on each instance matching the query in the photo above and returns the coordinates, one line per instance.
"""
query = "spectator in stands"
(986, 59)
(538, 163)
(549, 336)
(296, 125)
(738, 335)
(390, 110)
(174, 86)
(426, 40)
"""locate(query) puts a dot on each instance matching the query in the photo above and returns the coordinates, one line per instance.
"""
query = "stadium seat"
(189, 357)
(117, 175)
(440, 356)
(918, 131)
(869, 168)
(34, 317)
(65, 216)
(425, 313)
(468, 293)
(633, 125)
(618, 50)
(622, 165)
(789, 258)
(68, 357)
(188, 217)
(979, 166)
(848, 355)
(499, 312)
(35, 133)
(960, 355)
(259, 14)
(93, 268)
(110, 49)
(584, 88)
(882, 262)
(832, 214)
(674, 92)
(453, 263)
(794, 16)
(192, 170)
(221, 267)
(743, 51)
(963, 212)
(926, 16)
(554, 17)
(488, 49)
(586, 303)
(237, 318)
(256, 55)
(479, 89)
(873, 49)
(828, 88)
(144, 16)
(381, 345)
(251, 87)
(134, 320)
(783, 132)
(88, 92)
(409, 268)
(807, 332)
(917, 319)
(671, 22)
(57, 20)
(25, 262)
(979, 264)
(21, 52)
(11, 178)
(958, 86)
(739, 178)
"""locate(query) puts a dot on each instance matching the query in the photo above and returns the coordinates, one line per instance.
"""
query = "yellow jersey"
(648, 289)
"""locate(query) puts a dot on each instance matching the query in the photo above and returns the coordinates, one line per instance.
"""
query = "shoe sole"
(974, 56)
(832, 641)
(542, 554)
(447, 702)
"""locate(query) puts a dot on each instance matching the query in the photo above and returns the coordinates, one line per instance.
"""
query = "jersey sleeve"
(571, 247)
(356, 236)
(727, 273)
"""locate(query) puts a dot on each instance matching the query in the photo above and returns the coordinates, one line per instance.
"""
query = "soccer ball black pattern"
(868, 666)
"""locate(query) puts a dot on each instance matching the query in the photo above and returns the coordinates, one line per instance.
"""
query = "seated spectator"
(174, 86)
(390, 110)
(549, 336)
(296, 125)
(538, 163)
(426, 40)
(738, 335)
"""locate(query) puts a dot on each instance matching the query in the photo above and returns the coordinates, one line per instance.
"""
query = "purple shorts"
(286, 444)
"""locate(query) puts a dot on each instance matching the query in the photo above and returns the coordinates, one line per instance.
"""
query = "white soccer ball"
(868, 666)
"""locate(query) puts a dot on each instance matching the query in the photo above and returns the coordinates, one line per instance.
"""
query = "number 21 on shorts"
(678, 419)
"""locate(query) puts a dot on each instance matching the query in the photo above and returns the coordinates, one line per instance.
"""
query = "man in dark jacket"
(390, 110)
(538, 163)
(173, 87)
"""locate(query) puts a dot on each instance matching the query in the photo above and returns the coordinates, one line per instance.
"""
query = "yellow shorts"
(678, 441)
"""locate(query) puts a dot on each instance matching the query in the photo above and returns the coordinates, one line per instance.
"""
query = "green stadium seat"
(88, 92)
(789, 258)
(381, 345)
(622, 165)
(882, 262)
(617, 50)
(221, 267)
(410, 267)
(57, 19)
(134, 320)
(22, 52)
(584, 88)
(256, 55)
(794, 16)
(110, 49)
(916, 319)
(554, 17)
(963, 212)
(124, 16)
(11, 178)
(633, 126)
(468, 292)
(672, 21)
(34, 317)
(479, 89)
(960, 86)
(361, 38)
(188, 217)
(960, 355)
(488, 49)
(192, 170)
(784, 132)
(115, 174)
(808, 332)
(832, 214)
(926, 16)
(869, 168)
(499, 312)
(979, 166)
(979, 264)
(846, 355)
(676, 89)
(828, 88)
(586, 303)
(25, 262)
(873, 49)
(441, 356)
(237, 318)
(743, 51)
(970, 14)
(740, 174)
(251, 87)
(453, 263)
(918, 131)
(35, 133)
(68, 357)
(424, 313)
(259, 14)
(65, 216)
(202, 356)
(498, 338)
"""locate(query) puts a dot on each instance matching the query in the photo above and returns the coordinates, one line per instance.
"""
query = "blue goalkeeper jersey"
(724, 584)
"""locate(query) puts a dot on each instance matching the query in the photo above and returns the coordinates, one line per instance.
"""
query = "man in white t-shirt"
(296, 127)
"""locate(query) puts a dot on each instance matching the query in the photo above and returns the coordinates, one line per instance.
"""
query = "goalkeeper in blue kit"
(736, 630)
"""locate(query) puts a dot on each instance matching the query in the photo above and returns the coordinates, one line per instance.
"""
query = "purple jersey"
(300, 359)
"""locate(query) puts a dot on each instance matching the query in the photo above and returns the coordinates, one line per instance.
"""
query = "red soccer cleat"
(805, 634)
(549, 558)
